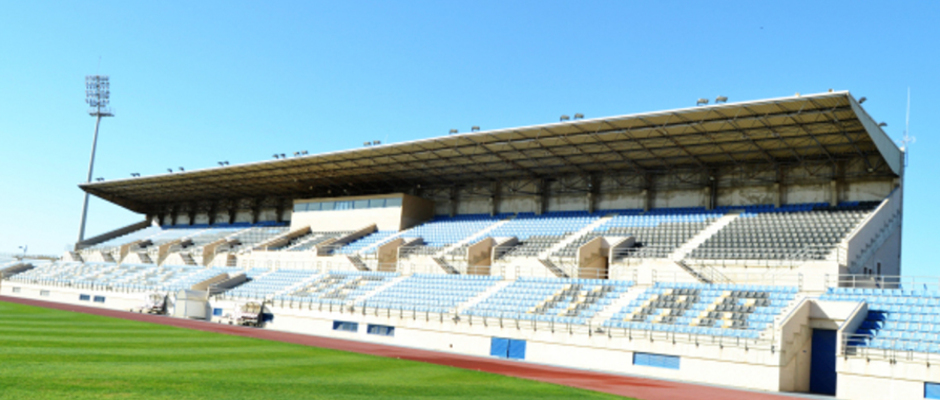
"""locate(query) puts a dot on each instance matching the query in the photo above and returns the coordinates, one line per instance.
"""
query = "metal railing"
(809, 252)
(856, 346)
(884, 282)
(417, 251)
(742, 278)
(556, 327)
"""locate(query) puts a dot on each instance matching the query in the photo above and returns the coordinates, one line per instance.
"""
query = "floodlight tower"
(98, 96)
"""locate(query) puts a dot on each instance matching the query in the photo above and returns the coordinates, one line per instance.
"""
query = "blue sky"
(193, 84)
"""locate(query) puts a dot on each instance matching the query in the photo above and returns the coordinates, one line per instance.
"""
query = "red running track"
(640, 388)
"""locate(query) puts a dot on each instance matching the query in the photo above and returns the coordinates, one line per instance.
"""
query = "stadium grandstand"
(753, 245)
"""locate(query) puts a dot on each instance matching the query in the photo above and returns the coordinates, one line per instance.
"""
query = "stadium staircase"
(702, 236)
(188, 259)
(483, 296)
(357, 262)
(554, 268)
(575, 236)
(375, 246)
(615, 306)
(389, 283)
(473, 238)
(446, 266)
(76, 256)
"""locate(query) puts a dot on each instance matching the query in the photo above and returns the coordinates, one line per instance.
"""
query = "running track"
(640, 388)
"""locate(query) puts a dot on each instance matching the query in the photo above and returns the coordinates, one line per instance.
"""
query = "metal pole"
(91, 166)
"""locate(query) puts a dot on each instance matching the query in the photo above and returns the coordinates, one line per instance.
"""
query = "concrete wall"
(795, 349)
(413, 211)
(592, 259)
(877, 239)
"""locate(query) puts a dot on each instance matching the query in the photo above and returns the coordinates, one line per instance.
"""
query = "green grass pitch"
(51, 354)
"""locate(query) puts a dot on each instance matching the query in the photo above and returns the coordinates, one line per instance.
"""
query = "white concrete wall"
(748, 195)
(876, 379)
(67, 295)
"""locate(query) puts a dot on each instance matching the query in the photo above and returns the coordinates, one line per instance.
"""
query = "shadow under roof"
(828, 126)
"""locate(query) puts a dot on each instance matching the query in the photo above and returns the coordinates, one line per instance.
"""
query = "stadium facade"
(753, 244)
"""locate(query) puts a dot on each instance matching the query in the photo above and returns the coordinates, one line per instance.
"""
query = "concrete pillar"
(778, 194)
(833, 192)
(453, 200)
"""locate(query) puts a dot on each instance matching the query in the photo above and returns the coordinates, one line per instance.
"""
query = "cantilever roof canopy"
(827, 126)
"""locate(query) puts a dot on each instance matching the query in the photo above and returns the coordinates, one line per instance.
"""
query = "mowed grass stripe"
(51, 354)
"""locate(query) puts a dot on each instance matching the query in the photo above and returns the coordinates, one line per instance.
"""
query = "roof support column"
(837, 183)
(647, 192)
(212, 212)
(779, 189)
(453, 200)
(233, 211)
(711, 191)
(192, 213)
(593, 183)
(174, 214)
(256, 211)
(495, 196)
(541, 196)
(279, 211)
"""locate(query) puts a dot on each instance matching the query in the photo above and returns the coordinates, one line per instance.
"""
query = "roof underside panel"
(777, 131)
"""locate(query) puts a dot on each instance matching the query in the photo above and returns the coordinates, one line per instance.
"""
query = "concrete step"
(618, 304)
(483, 296)
(472, 238)
(571, 238)
(381, 288)
(702, 236)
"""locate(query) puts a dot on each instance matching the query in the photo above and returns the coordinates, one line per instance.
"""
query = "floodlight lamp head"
(721, 99)
(453, 131)
(578, 116)
(376, 142)
(98, 94)
(563, 118)
(170, 170)
(182, 170)
(366, 144)
(883, 124)
(474, 128)
(701, 102)
(862, 99)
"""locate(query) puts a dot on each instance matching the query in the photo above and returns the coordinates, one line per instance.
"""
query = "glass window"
(327, 205)
(300, 207)
(376, 203)
(84, 297)
(360, 204)
(314, 206)
(344, 205)
(393, 202)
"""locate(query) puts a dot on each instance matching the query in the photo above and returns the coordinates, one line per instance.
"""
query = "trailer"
(248, 314)
(154, 303)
